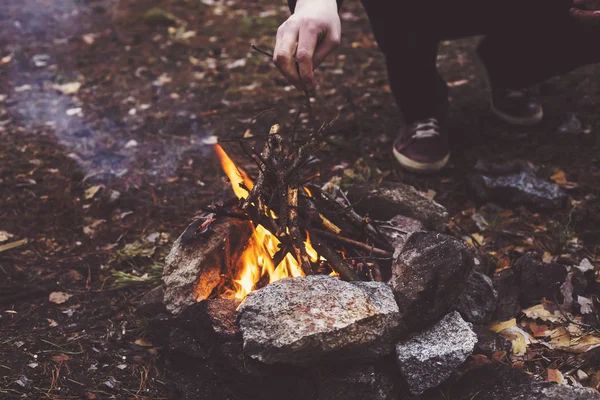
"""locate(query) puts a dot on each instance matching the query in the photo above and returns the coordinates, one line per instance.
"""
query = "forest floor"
(107, 118)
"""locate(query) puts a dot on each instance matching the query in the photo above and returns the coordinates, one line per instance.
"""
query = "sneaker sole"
(421, 167)
(523, 121)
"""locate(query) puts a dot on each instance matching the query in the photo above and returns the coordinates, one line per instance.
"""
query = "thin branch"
(354, 243)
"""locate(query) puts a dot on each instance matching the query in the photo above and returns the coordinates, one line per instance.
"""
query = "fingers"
(587, 17)
(325, 48)
(283, 55)
(307, 42)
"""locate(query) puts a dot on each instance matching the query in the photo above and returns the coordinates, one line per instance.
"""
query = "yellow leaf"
(502, 325)
(560, 337)
(559, 177)
(519, 347)
(91, 192)
(540, 312)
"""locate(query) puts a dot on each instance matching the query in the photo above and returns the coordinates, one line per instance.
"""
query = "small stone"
(538, 279)
(304, 321)
(428, 358)
(429, 276)
(519, 188)
(478, 301)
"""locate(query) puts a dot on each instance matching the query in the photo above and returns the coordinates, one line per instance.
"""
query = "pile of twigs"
(284, 200)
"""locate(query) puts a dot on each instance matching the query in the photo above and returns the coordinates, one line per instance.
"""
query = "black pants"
(525, 42)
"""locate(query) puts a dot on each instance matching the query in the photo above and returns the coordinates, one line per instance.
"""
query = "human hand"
(586, 11)
(305, 39)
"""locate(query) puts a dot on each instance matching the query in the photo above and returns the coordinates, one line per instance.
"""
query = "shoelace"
(429, 128)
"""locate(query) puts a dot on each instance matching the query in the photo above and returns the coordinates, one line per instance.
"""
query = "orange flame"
(257, 259)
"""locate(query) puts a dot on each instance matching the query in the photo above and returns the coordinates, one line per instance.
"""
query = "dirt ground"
(107, 116)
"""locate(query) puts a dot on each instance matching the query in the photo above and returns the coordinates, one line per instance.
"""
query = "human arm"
(305, 39)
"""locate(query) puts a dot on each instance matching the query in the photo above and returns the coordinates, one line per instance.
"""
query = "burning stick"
(295, 233)
(257, 191)
(355, 243)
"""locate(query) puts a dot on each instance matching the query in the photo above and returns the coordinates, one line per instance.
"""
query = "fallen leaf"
(560, 338)
(539, 330)
(519, 346)
(555, 375)
(91, 192)
(68, 88)
(4, 236)
(500, 326)
(586, 343)
(586, 305)
(547, 257)
(60, 358)
(143, 343)
(584, 266)
(59, 297)
(560, 179)
(6, 59)
(52, 322)
(540, 312)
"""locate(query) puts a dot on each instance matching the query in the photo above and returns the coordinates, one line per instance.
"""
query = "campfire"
(257, 261)
(282, 210)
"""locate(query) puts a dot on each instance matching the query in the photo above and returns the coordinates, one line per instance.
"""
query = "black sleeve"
(292, 4)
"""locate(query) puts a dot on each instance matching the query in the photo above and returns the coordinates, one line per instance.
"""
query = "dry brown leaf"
(4, 236)
(60, 358)
(539, 330)
(59, 297)
(559, 177)
(143, 343)
(583, 344)
(547, 257)
(555, 375)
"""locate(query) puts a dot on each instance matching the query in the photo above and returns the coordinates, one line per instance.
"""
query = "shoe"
(423, 146)
(516, 107)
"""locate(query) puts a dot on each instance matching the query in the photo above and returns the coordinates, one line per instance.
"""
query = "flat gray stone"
(305, 321)
(479, 299)
(428, 358)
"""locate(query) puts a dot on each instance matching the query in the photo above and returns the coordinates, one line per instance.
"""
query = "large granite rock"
(195, 263)
(306, 321)
(429, 276)
(428, 358)
(389, 199)
(478, 302)
(500, 382)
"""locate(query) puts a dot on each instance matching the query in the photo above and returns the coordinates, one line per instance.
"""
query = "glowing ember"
(257, 259)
